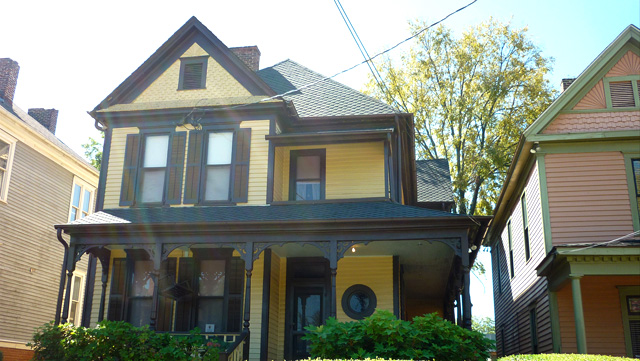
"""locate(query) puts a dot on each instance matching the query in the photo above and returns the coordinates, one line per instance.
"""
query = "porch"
(289, 274)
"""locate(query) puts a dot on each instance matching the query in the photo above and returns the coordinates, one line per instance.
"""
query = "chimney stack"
(250, 55)
(8, 80)
(47, 117)
(565, 83)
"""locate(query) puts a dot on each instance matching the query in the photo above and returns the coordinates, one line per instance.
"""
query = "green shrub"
(561, 357)
(382, 335)
(119, 341)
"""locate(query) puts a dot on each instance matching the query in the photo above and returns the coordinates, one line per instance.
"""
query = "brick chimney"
(8, 80)
(47, 117)
(250, 55)
(565, 83)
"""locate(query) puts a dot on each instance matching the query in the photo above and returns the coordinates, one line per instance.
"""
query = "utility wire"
(354, 66)
(633, 234)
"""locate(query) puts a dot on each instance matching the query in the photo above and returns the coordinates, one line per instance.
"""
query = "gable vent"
(193, 73)
(621, 94)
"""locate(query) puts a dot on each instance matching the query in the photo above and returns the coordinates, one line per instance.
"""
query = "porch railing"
(236, 351)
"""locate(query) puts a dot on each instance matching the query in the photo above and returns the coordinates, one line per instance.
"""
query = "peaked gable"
(583, 106)
(157, 78)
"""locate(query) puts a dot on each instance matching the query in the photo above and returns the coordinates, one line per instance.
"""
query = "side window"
(525, 227)
(7, 149)
(81, 200)
(635, 166)
(193, 73)
(307, 176)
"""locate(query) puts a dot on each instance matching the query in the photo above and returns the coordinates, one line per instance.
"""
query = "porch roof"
(376, 210)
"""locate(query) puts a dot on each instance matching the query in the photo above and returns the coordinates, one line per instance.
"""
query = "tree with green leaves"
(471, 96)
(93, 152)
(484, 325)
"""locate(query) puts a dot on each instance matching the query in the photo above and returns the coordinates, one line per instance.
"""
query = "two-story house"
(42, 183)
(254, 202)
(565, 239)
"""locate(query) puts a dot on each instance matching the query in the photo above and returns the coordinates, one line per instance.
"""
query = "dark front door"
(308, 310)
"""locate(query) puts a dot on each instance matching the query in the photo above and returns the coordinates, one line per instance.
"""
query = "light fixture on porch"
(353, 250)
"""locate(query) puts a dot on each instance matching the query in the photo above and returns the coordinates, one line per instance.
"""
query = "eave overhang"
(329, 136)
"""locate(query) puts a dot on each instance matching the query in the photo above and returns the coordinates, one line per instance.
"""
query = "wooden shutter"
(194, 167)
(621, 94)
(130, 170)
(185, 307)
(176, 168)
(116, 295)
(240, 166)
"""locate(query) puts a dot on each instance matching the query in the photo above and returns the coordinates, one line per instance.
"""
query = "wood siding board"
(37, 183)
(374, 272)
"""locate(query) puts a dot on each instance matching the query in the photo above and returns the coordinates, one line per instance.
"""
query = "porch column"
(71, 266)
(103, 294)
(248, 266)
(466, 282)
(156, 257)
(578, 314)
(333, 266)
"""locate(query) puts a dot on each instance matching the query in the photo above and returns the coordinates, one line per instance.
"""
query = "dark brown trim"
(332, 201)
(87, 301)
(329, 137)
(293, 167)
(104, 167)
(266, 292)
(396, 286)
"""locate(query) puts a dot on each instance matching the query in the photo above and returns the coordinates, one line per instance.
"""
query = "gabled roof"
(434, 181)
(44, 132)
(192, 28)
(586, 79)
(325, 98)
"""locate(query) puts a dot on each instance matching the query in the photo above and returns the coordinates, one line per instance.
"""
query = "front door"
(308, 310)
(307, 302)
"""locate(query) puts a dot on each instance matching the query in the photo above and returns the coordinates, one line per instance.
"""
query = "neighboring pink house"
(566, 234)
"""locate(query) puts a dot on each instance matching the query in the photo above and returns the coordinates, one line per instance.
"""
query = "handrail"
(230, 353)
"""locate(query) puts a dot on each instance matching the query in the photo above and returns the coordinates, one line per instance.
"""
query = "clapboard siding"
(31, 257)
(276, 297)
(525, 289)
(256, 309)
(115, 166)
(353, 170)
(374, 272)
(588, 197)
(602, 314)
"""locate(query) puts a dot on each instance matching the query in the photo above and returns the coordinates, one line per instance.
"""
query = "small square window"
(81, 200)
(193, 73)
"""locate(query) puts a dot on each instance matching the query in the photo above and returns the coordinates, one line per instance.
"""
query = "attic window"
(193, 73)
(622, 92)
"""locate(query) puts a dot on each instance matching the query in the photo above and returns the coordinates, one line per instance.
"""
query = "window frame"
(203, 60)
(512, 272)
(533, 328)
(624, 292)
(525, 228)
(635, 84)
(80, 303)
(498, 267)
(293, 168)
(633, 188)
(140, 167)
(84, 186)
(205, 166)
(4, 186)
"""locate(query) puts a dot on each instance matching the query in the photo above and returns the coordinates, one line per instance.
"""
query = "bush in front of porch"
(117, 340)
(382, 335)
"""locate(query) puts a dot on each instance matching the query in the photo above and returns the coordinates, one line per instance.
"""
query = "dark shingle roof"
(433, 181)
(40, 129)
(322, 99)
(278, 213)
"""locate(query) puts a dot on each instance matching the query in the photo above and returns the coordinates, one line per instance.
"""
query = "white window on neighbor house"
(75, 305)
(82, 196)
(7, 149)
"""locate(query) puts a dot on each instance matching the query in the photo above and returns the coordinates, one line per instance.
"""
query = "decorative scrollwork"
(324, 246)
(167, 248)
(343, 246)
(258, 248)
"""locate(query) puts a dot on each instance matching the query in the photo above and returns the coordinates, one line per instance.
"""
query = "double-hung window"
(7, 148)
(307, 175)
(511, 269)
(81, 200)
(154, 168)
(218, 166)
(525, 227)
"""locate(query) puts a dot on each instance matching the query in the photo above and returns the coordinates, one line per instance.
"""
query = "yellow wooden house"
(253, 202)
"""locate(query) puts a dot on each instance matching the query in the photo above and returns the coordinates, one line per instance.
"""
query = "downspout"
(62, 276)
(399, 160)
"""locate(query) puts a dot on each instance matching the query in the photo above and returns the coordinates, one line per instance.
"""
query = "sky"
(72, 54)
